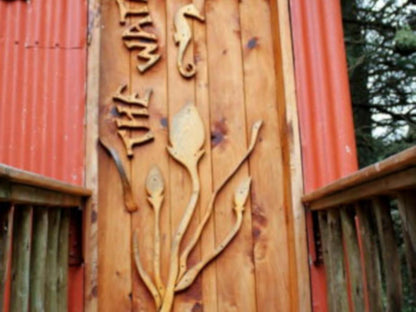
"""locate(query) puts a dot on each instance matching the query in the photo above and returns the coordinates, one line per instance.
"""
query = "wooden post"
(353, 255)
(21, 259)
(6, 230)
(63, 259)
(51, 284)
(38, 260)
(368, 235)
(390, 253)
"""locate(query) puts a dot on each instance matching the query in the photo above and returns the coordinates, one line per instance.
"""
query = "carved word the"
(132, 109)
(135, 38)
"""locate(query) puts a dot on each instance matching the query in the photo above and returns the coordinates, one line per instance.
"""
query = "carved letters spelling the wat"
(135, 38)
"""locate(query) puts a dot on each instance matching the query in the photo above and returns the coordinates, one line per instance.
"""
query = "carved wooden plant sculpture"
(187, 140)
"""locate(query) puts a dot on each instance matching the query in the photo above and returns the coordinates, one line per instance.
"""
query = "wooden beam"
(381, 186)
(6, 230)
(21, 259)
(62, 261)
(386, 167)
(24, 194)
(407, 209)
(11, 174)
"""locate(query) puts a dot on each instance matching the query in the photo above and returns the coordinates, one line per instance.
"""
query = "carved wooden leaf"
(154, 181)
(187, 133)
(241, 193)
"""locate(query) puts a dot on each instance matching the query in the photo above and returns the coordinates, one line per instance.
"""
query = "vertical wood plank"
(63, 260)
(150, 154)
(390, 253)
(51, 283)
(6, 231)
(114, 222)
(407, 209)
(353, 255)
(235, 266)
(270, 214)
(331, 235)
(207, 243)
(291, 150)
(368, 236)
(21, 259)
(38, 259)
(180, 92)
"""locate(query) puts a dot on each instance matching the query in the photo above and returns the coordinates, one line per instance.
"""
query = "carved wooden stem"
(143, 275)
(183, 226)
(197, 234)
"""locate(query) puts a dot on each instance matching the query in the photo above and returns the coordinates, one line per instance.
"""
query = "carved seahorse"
(183, 36)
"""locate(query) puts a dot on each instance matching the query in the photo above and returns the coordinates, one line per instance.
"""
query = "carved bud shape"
(241, 193)
(187, 135)
(154, 182)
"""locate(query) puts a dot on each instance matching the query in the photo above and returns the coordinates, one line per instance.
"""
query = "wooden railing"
(365, 234)
(40, 219)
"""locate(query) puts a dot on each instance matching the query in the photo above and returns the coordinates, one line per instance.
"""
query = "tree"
(381, 54)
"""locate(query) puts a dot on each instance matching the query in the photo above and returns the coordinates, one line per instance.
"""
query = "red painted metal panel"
(42, 86)
(325, 115)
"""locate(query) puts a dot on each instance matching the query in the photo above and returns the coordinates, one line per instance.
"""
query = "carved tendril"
(187, 138)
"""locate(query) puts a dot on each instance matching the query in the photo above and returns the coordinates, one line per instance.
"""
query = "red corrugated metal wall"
(324, 105)
(42, 86)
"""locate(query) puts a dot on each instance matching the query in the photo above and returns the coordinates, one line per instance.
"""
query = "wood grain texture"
(22, 226)
(352, 251)
(114, 237)
(372, 267)
(90, 239)
(389, 252)
(291, 153)
(235, 287)
(38, 259)
(149, 155)
(6, 235)
(270, 214)
(407, 209)
(63, 261)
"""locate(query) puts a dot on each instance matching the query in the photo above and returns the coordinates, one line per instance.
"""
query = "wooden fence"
(40, 219)
(366, 236)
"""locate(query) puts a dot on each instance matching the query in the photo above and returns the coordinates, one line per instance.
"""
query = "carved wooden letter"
(125, 11)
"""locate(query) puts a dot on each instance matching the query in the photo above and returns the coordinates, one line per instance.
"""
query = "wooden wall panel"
(235, 85)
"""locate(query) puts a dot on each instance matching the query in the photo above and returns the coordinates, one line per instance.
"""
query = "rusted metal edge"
(390, 165)
(21, 177)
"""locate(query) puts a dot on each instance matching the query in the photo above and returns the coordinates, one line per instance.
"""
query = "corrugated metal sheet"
(42, 86)
(325, 115)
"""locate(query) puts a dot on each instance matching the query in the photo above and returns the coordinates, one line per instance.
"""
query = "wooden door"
(243, 74)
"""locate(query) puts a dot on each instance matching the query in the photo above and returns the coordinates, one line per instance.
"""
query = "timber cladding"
(227, 76)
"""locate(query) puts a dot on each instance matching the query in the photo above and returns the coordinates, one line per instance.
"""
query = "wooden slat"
(272, 241)
(235, 266)
(352, 250)
(150, 154)
(38, 259)
(407, 208)
(62, 261)
(368, 236)
(390, 253)
(385, 185)
(21, 259)
(19, 176)
(51, 283)
(411, 263)
(114, 222)
(24, 194)
(334, 265)
(291, 150)
(6, 230)
(323, 229)
(386, 167)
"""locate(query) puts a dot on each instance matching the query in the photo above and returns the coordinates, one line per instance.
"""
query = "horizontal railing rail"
(366, 236)
(40, 237)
